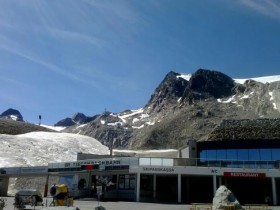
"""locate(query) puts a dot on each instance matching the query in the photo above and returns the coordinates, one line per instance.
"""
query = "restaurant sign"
(245, 174)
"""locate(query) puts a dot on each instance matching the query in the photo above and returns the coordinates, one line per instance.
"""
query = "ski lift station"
(191, 175)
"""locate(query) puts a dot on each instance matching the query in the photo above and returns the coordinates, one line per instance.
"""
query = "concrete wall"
(190, 151)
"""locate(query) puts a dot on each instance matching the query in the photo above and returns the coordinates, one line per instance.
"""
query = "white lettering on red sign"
(245, 174)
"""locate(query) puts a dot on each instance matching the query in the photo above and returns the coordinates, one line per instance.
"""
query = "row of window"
(241, 154)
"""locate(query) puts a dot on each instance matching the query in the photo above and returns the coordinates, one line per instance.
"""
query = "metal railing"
(254, 164)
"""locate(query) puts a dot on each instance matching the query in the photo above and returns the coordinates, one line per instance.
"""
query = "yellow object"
(60, 202)
(65, 202)
(61, 196)
(62, 188)
(58, 189)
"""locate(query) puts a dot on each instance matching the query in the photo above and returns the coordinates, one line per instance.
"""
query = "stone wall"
(246, 129)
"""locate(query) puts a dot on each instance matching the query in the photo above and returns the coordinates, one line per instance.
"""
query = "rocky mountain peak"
(202, 84)
(12, 114)
(206, 84)
(65, 122)
(79, 118)
(168, 92)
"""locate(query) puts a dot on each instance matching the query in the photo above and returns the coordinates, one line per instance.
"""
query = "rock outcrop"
(224, 198)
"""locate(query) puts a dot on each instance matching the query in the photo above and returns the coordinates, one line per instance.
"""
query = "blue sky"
(59, 57)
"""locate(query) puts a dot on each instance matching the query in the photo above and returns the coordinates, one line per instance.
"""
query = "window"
(127, 181)
(231, 154)
(221, 154)
(258, 154)
(275, 154)
(265, 154)
(254, 154)
(203, 155)
(212, 154)
(243, 154)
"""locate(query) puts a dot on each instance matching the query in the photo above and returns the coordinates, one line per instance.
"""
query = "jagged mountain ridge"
(182, 108)
(76, 119)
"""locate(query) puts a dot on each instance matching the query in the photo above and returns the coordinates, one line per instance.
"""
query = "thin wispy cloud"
(270, 8)
(77, 37)
(48, 66)
(13, 82)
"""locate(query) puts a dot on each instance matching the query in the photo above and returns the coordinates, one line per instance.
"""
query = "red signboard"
(89, 167)
(244, 174)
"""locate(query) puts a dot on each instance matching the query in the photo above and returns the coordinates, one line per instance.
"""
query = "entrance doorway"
(197, 189)
(167, 188)
(146, 187)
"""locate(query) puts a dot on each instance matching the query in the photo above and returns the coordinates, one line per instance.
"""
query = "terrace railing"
(263, 164)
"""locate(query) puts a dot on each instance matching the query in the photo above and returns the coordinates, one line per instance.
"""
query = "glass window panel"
(221, 154)
(132, 184)
(121, 182)
(132, 181)
(203, 155)
(211, 154)
(242, 154)
(144, 161)
(232, 154)
(156, 161)
(167, 162)
(275, 154)
(254, 154)
(133, 161)
(265, 154)
(126, 180)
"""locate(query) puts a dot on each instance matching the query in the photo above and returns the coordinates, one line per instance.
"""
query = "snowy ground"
(41, 148)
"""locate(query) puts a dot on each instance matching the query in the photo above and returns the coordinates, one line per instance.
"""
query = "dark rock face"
(65, 122)
(213, 83)
(203, 84)
(168, 92)
(206, 84)
(12, 114)
(79, 118)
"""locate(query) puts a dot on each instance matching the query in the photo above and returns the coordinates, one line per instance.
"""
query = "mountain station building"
(250, 168)
(179, 180)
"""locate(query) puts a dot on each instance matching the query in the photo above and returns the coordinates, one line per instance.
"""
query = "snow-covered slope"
(267, 79)
(40, 148)
(264, 79)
